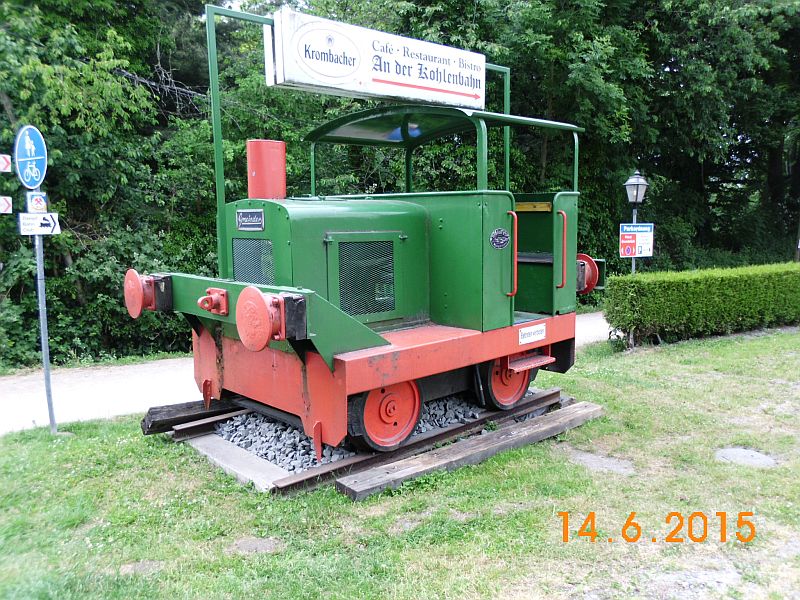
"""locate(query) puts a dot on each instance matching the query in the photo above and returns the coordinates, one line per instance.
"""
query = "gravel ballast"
(291, 449)
(281, 444)
(441, 413)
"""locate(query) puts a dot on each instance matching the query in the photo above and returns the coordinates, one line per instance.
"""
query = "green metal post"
(409, 171)
(212, 12)
(313, 164)
(507, 130)
(506, 72)
(483, 154)
(216, 127)
(575, 164)
(405, 135)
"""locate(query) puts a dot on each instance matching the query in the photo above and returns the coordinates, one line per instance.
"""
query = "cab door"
(497, 243)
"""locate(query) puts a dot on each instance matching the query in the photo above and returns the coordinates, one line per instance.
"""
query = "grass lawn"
(107, 513)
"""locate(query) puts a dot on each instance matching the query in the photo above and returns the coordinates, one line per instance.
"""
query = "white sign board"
(5, 163)
(534, 333)
(39, 224)
(36, 202)
(345, 60)
(636, 240)
(6, 205)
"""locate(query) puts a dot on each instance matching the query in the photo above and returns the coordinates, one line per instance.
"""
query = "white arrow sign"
(5, 163)
(6, 206)
(39, 224)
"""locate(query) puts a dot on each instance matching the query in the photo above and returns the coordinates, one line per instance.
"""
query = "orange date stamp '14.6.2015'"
(692, 527)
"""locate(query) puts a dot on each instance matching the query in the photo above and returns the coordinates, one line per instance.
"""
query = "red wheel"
(385, 417)
(503, 388)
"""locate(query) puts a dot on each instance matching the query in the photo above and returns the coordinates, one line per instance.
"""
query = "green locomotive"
(348, 312)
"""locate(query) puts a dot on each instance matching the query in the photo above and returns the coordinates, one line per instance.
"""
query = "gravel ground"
(445, 411)
(279, 443)
(290, 448)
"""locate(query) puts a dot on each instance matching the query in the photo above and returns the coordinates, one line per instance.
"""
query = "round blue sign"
(30, 157)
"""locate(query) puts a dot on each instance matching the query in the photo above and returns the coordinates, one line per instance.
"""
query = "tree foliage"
(702, 95)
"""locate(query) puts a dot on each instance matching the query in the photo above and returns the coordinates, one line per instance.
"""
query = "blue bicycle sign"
(30, 157)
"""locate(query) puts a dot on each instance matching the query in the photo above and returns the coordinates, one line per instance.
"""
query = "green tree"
(100, 166)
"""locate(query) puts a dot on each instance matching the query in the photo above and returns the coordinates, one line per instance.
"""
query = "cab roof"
(408, 126)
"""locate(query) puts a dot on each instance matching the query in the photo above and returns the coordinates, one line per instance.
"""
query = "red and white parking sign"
(635, 240)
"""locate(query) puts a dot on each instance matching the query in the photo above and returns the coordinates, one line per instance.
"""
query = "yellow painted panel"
(534, 207)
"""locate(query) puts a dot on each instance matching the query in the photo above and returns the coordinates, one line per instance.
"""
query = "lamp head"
(636, 186)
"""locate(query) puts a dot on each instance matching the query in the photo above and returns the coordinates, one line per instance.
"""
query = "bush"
(679, 305)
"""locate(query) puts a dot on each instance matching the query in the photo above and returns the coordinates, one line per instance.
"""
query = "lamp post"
(635, 187)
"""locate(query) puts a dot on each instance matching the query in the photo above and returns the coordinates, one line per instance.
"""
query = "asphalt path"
(102, 392)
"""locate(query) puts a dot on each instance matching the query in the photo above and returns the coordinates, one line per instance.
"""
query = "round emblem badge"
(499, 238)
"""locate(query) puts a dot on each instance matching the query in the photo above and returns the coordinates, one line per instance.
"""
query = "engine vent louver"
(366, 277)
(253, 261)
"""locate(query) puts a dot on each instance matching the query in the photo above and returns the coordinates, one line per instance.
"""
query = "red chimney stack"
(266, 169)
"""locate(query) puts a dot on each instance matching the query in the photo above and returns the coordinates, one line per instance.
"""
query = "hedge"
(680, 305)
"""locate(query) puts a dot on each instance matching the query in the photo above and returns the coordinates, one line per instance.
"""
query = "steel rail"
(315, 476)
(184, 431)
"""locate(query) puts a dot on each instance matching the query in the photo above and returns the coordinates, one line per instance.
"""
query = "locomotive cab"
(525, 243)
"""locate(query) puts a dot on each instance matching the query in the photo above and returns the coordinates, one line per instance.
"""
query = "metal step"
(530, 362)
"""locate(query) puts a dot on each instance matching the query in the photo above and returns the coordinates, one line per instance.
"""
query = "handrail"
(563, 251)
(513, 292)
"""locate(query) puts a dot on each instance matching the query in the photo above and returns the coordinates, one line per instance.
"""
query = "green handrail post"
(506, 72)
(575, 163)
(409, 170)
(313, 165)
(483, 154)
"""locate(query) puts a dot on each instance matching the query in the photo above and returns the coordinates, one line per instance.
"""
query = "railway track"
(365, 473)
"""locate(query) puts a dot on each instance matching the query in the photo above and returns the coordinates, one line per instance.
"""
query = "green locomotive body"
(351, 311)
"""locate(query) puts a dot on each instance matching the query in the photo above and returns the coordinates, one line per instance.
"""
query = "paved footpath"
(101, 392)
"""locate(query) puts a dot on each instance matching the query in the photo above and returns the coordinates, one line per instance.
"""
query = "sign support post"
(633, 260)
(38, 245)
(30, 159)
(631, 340)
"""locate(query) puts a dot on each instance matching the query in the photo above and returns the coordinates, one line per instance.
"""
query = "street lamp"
(635, 187)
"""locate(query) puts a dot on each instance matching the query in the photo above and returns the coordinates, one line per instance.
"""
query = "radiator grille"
(366, 277)
(253, 261)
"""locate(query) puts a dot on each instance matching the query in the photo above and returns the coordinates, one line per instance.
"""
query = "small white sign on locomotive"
(534, 333)
(345, 60)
